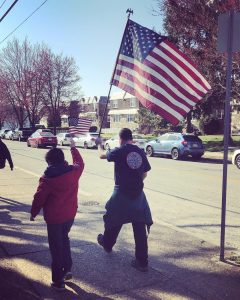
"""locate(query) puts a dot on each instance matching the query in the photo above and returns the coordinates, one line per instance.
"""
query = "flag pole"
(129, 12)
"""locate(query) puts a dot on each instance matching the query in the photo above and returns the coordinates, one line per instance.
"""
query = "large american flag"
(163, 78)
(79, 125)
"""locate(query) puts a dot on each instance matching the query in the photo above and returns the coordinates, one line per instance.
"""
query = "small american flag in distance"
(79, 125)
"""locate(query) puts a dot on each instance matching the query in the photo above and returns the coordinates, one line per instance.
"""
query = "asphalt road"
(184, 195)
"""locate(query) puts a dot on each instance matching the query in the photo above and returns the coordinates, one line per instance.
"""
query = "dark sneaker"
(135, 264)
(101, 243)
(68, 276)
(58, 286)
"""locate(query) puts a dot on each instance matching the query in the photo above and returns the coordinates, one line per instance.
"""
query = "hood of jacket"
(57, 170)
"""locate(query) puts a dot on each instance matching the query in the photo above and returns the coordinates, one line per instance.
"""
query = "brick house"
(123, 111)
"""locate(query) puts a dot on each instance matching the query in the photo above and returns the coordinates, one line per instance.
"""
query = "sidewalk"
(181, 266)
(216, 156)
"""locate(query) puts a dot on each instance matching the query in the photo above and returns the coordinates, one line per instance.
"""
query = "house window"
(132, 102)
(130, 118)
(115, 104)
(116, 118)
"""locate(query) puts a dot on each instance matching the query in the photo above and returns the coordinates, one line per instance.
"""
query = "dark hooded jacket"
(5, 155)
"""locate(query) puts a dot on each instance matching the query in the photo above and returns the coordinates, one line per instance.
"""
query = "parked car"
(22, 134)
(8, 135)
(42, 139)
(86, 140)
(236, 158)
(176, 145)
(114, 142)
(3, 133)
(63, 138)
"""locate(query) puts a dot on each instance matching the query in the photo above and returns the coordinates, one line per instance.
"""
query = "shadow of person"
(83, 294)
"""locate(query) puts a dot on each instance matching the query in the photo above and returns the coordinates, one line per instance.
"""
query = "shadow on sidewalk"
(174, 271)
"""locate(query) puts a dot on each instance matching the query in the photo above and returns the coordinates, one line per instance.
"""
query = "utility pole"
(228, 42)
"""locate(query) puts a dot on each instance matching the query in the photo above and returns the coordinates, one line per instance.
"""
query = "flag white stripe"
(190, 66)
(174, 77)
(161, 78)
(181, 70)
(154, 86)
(149, 97)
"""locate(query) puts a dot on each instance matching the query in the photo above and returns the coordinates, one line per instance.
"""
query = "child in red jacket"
(57, 195)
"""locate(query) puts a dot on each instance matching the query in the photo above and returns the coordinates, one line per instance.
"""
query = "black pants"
(59, 245)
(140, 236)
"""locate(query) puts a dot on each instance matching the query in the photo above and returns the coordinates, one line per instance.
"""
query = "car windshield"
(46, 134)
(192, 138)
(69, 135)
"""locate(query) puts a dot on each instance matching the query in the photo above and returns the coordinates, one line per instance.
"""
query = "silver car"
(63, 138)
(114, 142)
(86, 140)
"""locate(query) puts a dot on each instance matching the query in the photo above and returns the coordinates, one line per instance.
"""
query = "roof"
(132, 111)
(121, 95)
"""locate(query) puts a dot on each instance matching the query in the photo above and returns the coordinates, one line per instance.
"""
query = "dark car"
(42, 139)
(176, 145)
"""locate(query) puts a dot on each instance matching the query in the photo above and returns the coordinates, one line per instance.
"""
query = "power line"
(7, 12)
(23, 22)
(2, 4)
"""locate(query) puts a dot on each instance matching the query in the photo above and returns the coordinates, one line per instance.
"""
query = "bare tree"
(61, 83)
(22, 79)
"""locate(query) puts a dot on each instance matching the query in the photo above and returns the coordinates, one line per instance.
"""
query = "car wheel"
(85, 145)
(149, 151)
(237, 161)
(107, 147)
(28, 144)
(12, 138)
(175, 154)
(19, 138)
(197, 157)
(62, 143)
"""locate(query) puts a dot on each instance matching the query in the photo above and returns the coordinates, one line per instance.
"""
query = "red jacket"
(58, 195)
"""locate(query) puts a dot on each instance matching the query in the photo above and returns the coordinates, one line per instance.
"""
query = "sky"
(88, 30)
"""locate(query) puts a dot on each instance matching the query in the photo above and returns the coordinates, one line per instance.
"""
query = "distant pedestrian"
(57, 195)
(5, 155)
(128, 203)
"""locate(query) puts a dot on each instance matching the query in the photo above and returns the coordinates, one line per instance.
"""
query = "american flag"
(79, 125)
(163, 78)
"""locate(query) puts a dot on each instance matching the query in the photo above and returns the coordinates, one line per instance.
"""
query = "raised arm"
(76, 157)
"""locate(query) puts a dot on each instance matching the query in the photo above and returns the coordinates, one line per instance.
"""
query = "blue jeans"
(59, 245)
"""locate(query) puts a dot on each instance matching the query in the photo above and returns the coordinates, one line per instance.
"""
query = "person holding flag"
(128, 203)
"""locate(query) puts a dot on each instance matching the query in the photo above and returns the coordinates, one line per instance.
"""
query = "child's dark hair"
(125, 134)
(54, 156)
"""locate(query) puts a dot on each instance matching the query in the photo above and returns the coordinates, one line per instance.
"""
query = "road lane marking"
(81, 192)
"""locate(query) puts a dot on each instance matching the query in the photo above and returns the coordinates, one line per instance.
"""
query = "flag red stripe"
(183, 66)
(177, 73)
(184, 56)
(145, 102)
(152, 92)
(157, 80)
